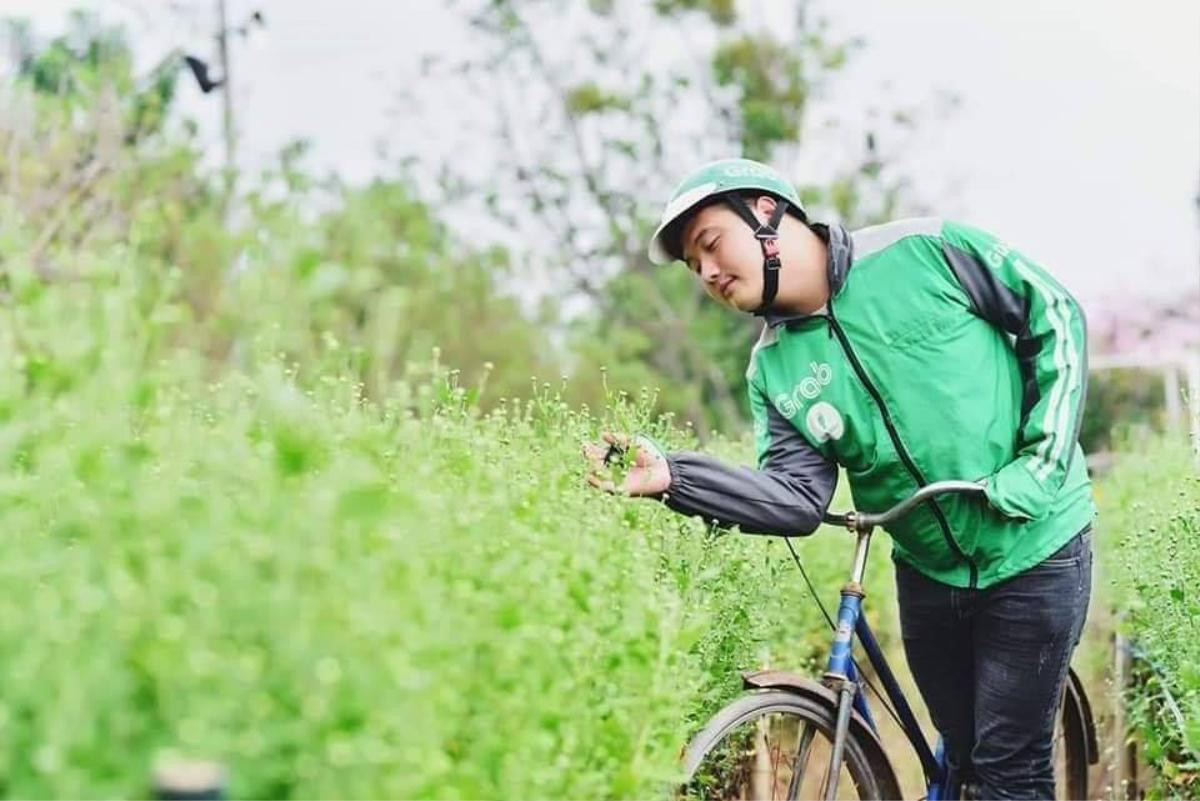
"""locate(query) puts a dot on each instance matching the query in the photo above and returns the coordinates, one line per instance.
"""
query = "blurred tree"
(597, 108)
(316, 271)
(1122, 404)
(83, 134)
(379, 280)
(92, 62)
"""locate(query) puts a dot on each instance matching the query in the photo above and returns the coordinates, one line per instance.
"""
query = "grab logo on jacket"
(822, 419)
(824, 422)
(789, 403)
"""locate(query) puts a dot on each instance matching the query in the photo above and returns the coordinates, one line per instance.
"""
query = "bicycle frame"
(841, 675)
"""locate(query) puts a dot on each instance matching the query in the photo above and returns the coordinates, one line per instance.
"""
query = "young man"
(916, 351)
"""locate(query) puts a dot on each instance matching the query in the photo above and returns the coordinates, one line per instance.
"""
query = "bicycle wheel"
(777, 744)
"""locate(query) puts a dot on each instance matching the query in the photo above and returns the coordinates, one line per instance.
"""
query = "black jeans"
(991, 665)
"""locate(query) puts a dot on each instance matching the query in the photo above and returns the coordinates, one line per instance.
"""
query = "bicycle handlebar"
(863, 521)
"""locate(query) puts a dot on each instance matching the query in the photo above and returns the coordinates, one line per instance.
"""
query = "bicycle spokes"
(776, 756)
(800, 760)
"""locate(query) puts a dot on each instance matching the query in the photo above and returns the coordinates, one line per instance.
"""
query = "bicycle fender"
(803, 685)
(1083, 709)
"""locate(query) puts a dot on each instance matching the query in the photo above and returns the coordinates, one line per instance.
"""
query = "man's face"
(721, 250)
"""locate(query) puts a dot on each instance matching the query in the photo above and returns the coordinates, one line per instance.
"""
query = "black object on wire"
(199, 70)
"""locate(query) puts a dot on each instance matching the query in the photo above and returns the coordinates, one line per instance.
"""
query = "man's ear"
(764, 205)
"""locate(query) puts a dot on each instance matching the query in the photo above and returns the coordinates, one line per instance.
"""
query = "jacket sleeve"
(1050, 340)
(786, 495)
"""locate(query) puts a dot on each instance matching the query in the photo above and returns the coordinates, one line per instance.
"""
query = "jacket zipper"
(836, 327)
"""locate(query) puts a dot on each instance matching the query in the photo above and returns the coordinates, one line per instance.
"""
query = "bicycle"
(762, 744)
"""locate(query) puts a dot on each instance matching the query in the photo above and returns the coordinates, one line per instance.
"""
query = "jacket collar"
(840, 249)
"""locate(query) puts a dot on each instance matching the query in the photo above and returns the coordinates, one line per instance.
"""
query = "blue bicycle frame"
(933, 762)
(841, 675)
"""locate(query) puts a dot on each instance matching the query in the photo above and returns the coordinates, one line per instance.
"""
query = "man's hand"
(648, 474)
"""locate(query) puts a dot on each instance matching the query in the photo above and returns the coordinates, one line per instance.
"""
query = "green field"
(1150, 506)
(402, 595)
(407, 594)
(337, 596)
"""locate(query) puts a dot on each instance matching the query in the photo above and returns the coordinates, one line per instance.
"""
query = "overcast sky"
(1078, 137)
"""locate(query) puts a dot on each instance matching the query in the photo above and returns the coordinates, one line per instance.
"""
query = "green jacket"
(942, 354)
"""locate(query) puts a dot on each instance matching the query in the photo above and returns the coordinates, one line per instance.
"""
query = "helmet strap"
(767, 235)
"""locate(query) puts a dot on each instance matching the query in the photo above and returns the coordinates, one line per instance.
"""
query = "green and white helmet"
(727, 181)
(714, 180)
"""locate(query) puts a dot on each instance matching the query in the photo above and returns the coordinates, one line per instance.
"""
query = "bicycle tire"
(1071, 759)
(862, 755)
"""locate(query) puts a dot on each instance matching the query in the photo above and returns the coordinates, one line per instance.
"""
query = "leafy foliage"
(367, 272)
(1122, 404)
(91, 63)
(1150, 508)
(405, 596)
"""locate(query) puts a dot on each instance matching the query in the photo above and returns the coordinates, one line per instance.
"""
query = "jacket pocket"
(933, 326)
